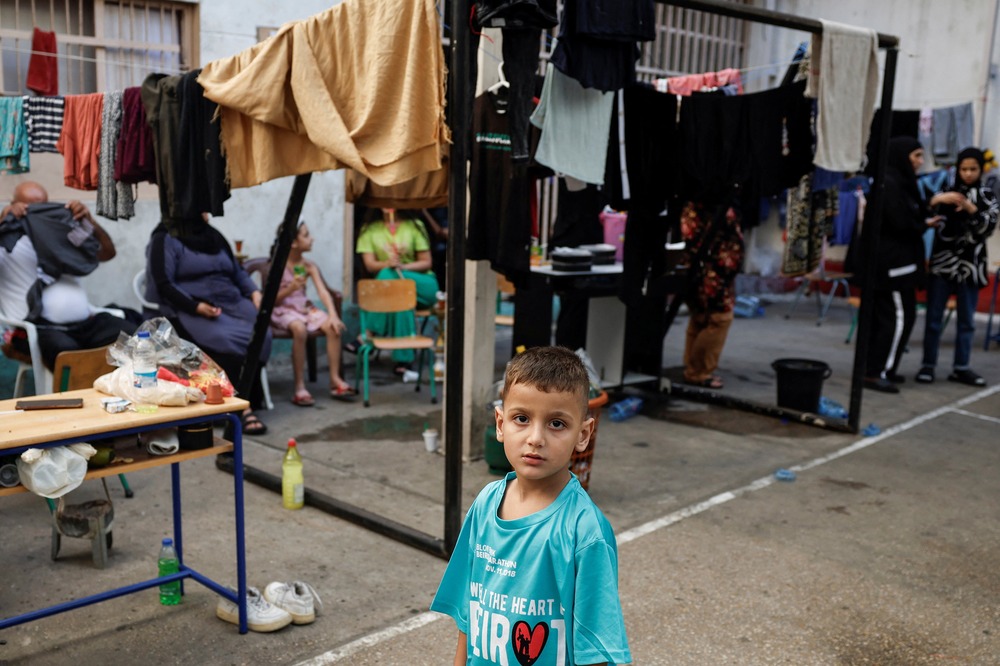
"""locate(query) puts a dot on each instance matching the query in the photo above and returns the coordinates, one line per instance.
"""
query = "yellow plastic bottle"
(292, 482)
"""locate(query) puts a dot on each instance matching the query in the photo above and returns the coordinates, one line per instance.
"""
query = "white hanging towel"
(843, 78)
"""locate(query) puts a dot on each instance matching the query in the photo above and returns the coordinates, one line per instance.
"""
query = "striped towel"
(44, 118)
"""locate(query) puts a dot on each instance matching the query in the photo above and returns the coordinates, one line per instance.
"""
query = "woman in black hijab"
(899, 265)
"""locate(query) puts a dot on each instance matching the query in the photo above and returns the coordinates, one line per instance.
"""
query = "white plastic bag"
(56, 471)
(171, 394)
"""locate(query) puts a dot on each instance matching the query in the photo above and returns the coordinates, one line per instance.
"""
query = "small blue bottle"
(626, 408)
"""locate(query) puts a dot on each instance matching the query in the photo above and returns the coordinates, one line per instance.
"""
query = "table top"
(24, 428)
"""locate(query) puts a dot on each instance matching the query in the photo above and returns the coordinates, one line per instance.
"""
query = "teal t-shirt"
(539, 590)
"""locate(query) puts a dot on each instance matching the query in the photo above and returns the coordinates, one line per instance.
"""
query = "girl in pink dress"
(294, 313)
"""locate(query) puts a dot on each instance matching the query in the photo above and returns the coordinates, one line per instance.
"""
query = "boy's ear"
(586, 430)
(498, 415)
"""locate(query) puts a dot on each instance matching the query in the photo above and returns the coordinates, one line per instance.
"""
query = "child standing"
(294, 313)
(958, 265)
(534, 575)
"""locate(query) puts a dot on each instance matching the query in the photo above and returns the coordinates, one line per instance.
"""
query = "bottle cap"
(168, 541)
(143, 334)
(291, 441)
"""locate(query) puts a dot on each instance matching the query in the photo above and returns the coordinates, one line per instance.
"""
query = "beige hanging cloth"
(360, 85)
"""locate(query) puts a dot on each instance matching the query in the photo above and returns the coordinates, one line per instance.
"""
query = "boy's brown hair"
(548, 369)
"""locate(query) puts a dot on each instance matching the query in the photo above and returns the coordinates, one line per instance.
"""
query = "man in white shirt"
(67, 321)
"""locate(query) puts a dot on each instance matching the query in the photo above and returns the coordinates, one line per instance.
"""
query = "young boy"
(533, 580)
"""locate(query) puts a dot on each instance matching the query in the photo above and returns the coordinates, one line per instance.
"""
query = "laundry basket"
(581, 462)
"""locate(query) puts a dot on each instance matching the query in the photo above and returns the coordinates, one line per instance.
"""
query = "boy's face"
(540, 431)
(968, 170)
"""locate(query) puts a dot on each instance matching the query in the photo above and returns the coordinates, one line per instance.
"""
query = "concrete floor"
(883, 551)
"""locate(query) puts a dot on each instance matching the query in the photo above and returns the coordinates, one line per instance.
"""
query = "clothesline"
(66, 56)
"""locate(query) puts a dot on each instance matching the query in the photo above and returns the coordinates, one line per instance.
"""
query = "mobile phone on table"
(49, 403)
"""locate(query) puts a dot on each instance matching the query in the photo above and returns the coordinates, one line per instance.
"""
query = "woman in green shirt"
(391, 247)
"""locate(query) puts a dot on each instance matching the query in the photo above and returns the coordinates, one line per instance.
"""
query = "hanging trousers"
(706, 336)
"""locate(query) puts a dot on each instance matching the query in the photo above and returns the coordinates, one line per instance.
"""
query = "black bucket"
(800, 383)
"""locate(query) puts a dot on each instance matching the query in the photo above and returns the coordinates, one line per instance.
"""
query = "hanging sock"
(43, 70)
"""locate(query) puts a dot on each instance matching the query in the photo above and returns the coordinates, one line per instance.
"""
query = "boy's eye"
(558, 424)
(520, 418)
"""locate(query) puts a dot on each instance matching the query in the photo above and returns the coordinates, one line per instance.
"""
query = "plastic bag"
(56, 471)
(181, 365)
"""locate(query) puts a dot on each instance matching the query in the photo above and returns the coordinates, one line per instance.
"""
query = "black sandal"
(352, 347)
(252, 425)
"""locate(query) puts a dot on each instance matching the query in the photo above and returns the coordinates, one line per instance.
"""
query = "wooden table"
(21, 430)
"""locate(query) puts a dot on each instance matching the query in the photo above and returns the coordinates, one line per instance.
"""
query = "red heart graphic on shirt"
(527, 642)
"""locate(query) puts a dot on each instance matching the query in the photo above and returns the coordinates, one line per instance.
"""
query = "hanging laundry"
(571, 117)
(135, 161)
(516, 14)
(80, 140)
(597, 41)
(428, 190)
(43, 117)
(843, 78)
(114, 198)
(651, 145)
(190, 168)
(499, 196)
(349, 99)
(43, 70)
(520, 62)
(952, 131)
(811, 215)
(685, 85)
(850, 210)
(14, 157)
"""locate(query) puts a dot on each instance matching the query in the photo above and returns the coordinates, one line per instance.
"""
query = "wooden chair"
(504, 288)
(388, 297)
(78, 369)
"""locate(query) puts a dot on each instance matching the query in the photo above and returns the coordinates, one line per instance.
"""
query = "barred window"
(101, 44)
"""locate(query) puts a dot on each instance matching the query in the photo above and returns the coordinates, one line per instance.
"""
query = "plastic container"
(800, 383)
(614, 230)
(293, 490)
(144, 372)
(625, 409)
(168, 563)
(582, 462)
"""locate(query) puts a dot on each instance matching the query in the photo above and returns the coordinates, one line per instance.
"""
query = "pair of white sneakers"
(281, 604)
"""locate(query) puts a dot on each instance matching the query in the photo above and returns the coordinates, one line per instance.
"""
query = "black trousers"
(892, 322)
(99, 330)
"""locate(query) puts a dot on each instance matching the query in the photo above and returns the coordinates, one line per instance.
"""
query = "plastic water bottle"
(144, 372)
(626, 408)
(292, 483)
(170, 593)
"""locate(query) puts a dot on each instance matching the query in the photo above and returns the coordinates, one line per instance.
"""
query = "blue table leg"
(241, 558)
(175, 494)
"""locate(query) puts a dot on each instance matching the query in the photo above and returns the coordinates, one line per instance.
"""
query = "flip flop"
(252, 425)
(303, 400)
(713, 382)
(345, 393)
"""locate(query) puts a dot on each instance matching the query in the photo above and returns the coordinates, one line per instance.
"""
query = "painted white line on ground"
(424, 619)
(722, 498)
(345, 651)
(982, 417)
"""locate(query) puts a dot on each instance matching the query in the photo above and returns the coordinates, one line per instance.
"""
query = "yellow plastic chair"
(389, 297)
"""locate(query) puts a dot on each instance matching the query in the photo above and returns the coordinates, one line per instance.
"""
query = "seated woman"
(208, 298)
(393, 247)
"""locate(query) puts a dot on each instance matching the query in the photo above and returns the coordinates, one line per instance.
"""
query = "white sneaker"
(261, 616)
(297, 598)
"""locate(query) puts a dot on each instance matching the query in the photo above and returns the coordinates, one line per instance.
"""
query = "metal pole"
(460, 69)
(869, 241)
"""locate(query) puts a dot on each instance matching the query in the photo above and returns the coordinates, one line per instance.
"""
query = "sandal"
(352, 347)
(713, 382)
(252, 425)
(925, 375)
(401, 369)
(966, 377)
(345, 393)
(303, 400)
